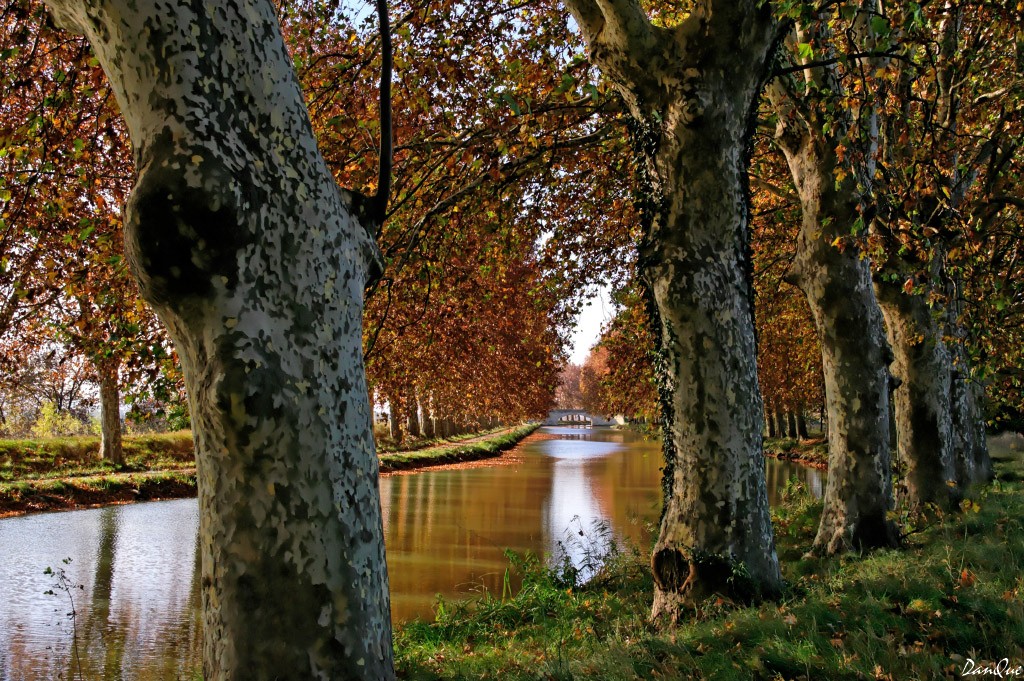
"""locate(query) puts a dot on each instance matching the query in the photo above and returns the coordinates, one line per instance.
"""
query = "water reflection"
(133, 578)
(446, 532)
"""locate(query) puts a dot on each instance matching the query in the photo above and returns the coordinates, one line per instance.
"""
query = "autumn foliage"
(512, 198)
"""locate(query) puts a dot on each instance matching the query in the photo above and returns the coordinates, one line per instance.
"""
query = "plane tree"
(256, 261)
(689, 83)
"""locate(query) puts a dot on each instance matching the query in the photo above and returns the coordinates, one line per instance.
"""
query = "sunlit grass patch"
(79, 456)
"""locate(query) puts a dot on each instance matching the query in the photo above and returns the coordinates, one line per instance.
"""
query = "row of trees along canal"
(871, 244)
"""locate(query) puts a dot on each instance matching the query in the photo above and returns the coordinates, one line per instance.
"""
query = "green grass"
(956, 591)
(385, 445)
(79, 456)
(453, 454)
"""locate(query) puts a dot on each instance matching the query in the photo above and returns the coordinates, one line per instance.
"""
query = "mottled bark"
(110, 411)
(961, 432)
(971, 460)
(855, 357)
(690, 92)
(256, 262)
(835, 278)
(922, 400)
(983, 471)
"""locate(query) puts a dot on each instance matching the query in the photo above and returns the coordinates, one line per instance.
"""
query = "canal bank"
(949, 604)
(447, 531)
(65, 474)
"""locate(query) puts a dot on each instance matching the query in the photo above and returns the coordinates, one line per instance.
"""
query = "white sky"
(588, 325)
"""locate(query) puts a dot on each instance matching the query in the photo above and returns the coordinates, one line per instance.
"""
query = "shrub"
(54, 423)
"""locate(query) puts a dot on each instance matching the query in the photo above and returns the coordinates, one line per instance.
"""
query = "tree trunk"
(780, 421)
(983, 471)
(427, 415)
(395, 422)
(110, 411)
(922, 401)
(961, 430)
(254, 259)
(972, 463)
(822, 417)
(791, 425)
(970, 444)
(413, 417)
(690, 92)
(835, 278)
(801, 423)
(855, 359)
(771, 424)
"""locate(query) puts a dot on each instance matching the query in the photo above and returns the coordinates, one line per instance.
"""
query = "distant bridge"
(578, 417)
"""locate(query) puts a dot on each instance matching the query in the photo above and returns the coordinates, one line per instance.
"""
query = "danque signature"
(1000, 669)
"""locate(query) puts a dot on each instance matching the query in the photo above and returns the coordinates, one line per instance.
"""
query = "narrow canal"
(133, 571)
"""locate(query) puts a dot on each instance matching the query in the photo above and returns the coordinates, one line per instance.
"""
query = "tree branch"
(836, 60)
(379, 204)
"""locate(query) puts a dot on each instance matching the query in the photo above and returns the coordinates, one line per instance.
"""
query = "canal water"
(133, 570)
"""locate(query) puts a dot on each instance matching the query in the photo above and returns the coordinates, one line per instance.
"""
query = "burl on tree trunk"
(254, 259)
(690, 90)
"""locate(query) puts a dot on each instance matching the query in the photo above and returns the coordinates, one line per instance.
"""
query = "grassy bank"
(385, 445)
(955, 592)
(25, 460)
(64, 473)
(812, 452)
(448, 453)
